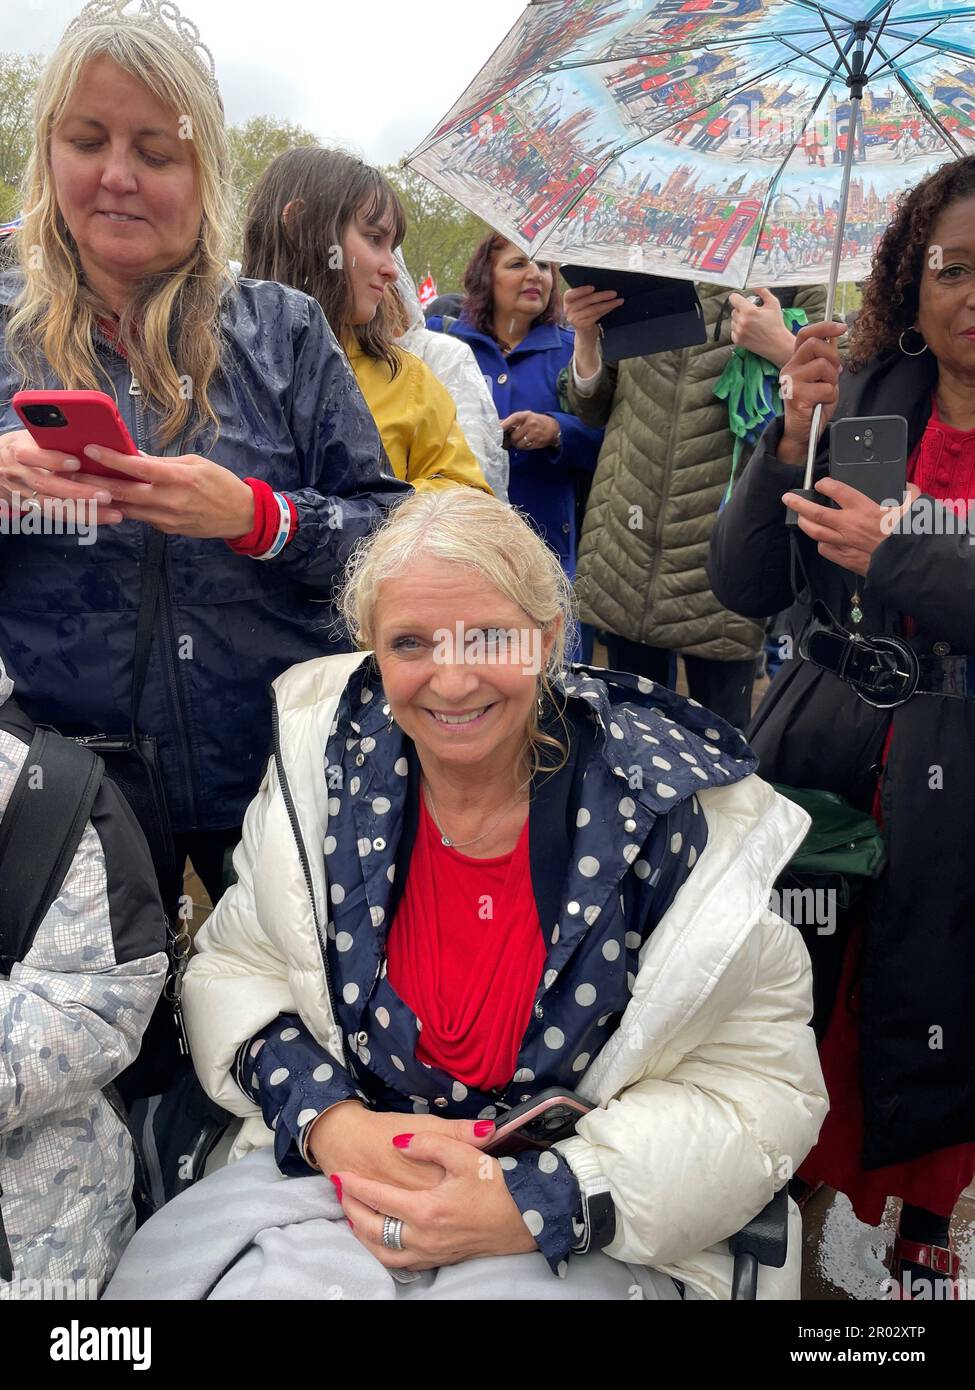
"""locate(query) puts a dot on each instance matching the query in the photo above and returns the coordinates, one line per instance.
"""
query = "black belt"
(886, 671)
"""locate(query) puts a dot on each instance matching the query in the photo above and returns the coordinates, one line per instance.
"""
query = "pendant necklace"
(856, 600)
(452, 844)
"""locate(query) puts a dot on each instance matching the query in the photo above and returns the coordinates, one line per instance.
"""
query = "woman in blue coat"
(510, 319)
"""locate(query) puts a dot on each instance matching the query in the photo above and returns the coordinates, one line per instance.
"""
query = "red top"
(943, 464)
(465, 953)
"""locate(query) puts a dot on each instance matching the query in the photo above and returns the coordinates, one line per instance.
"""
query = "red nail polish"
(337, 1184)
(402, 1141)
(351, 1224)
(483, 1127)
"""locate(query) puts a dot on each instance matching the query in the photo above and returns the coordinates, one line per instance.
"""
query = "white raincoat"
(455, 365)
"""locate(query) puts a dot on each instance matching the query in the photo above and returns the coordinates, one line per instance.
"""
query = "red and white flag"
(427, 290)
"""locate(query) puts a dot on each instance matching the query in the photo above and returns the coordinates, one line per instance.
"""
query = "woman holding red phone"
(896, 988)
(258, 464)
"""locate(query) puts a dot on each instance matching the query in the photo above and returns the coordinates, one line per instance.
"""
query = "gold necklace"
(452, 844)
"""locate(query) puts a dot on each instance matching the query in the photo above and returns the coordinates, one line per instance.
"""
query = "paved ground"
(843, 1259)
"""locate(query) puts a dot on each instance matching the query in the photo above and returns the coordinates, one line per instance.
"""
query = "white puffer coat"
(456, 366)
(709, 1093)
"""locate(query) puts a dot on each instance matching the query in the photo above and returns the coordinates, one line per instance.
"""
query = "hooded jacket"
(707, 1085)
(72, 1014)
(455, 366)
(291, 414)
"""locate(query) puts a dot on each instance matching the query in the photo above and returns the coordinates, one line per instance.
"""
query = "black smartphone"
(538, 1123)
(869, 452)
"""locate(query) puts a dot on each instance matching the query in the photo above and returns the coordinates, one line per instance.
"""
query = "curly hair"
(891, 294)
(478, 306)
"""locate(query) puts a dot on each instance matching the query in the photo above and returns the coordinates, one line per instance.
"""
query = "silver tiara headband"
(161, 15)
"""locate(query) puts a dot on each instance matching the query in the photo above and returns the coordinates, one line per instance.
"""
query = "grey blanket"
(247, 1232)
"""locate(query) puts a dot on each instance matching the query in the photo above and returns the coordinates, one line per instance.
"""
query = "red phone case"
(92, 417)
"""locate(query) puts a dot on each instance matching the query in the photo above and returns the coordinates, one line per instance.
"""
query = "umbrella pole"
(834, 271)
(856, 80)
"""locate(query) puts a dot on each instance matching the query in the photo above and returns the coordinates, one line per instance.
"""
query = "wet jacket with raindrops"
(291, 414)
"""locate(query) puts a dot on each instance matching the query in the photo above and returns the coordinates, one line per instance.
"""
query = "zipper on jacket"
(165, 608)
(668, 474)
(306, 868)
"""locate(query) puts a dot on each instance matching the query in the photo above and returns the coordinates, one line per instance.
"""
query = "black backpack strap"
(39, 834)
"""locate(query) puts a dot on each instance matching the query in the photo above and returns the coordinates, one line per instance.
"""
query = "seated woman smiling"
(470, 875)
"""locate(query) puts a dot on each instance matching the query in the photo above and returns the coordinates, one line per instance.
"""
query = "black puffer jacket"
(918, 969)
(291, 414)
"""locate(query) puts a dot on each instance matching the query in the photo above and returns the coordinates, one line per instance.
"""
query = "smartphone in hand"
(869, 453)
(538, 1123)
(68, 421)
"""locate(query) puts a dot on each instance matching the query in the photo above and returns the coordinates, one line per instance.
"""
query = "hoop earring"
(900, 342)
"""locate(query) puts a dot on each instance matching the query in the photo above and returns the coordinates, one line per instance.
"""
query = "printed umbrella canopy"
(738, 142)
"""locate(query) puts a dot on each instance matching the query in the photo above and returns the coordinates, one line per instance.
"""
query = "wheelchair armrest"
(764, 1241)
(766, 1236)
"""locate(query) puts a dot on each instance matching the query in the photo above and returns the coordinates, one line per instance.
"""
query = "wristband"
(283, 530)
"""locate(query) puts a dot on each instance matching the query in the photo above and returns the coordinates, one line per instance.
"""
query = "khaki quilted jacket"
(661, 475)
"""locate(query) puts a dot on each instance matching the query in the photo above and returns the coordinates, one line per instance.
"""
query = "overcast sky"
(372, 75)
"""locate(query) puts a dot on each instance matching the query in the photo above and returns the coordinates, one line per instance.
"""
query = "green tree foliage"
(441, 235)
(253, 145)
(18, 79)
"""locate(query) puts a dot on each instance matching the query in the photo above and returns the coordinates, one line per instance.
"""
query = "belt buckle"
(911, 677)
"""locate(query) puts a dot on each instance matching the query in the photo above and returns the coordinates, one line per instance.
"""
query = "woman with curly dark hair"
(896, 990)
(511, 319)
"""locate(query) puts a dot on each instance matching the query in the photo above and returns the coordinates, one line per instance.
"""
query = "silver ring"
(31, 502)
(392, 1233)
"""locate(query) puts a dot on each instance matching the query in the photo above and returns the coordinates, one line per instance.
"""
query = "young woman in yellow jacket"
(326, 223)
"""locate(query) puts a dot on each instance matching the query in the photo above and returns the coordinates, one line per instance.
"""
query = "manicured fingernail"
(92, 451)
(103, 497)
(70, 465)
(483, 1127)
(337, 1184)
(111, 517)
(402, 1141)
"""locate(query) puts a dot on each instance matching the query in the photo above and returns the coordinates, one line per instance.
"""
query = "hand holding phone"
(67, 421)
(538, 1123)
(869, 453)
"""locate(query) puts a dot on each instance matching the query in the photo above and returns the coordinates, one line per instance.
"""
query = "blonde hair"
(475, 532)
(55, 315)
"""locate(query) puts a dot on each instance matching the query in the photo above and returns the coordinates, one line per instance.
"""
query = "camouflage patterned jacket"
(72, 1014)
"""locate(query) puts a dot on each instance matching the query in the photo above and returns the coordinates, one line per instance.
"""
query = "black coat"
(918, 968)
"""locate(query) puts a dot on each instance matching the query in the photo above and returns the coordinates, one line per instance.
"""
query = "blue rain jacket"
(544, 483)
(291, 414)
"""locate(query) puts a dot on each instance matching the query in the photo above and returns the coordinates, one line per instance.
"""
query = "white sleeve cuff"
(586, 385)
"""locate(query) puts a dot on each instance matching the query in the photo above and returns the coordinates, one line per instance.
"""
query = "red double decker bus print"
(547, 213)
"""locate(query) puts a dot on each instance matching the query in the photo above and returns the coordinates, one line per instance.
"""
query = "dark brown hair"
(891, 295)
(478, 307)
(326, 188)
